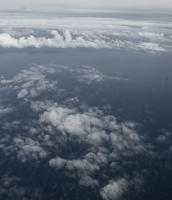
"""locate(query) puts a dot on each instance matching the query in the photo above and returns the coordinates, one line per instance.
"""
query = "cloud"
(150, 46)
(26, 148)
(57, 41)
(30, 83)
(114, 189)
(92, 127)
(152, 35)
(96, 130)
(57, 162)
(5, 110)
(108, 4)
(86, 32)
(82, 143)
(22, 93)
(68, 41)
(89, 74)
(82, 168)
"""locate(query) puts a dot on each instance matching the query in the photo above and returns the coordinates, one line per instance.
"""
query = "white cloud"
(86, 32)
(115, 189)
(94, 129)
(22, 93)
(57, 162)
(28, 148)
(30, 83)
(81, 167)
(68, 120)
(68, 41)
(151, 46)
(152, 35)
(91, 126)
(102, 141)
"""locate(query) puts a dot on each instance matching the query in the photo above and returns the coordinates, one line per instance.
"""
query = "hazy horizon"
(83, 4)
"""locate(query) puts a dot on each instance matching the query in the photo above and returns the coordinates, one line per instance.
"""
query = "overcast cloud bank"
(85, 32)
(68, 41)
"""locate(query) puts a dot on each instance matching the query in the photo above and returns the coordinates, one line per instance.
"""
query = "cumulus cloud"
(96, 130)
(26, 148)
(114, 189)
(105, 140)
(150, 46)
(31, 82)
(82, 168)
(78, 140)
(57, 162)
(57, 41)
(86, 32)
(22, 93)
(92, 126)
(152, 35)
(67, 40)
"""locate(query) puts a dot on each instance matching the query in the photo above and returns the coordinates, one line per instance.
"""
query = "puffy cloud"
(31, 82)
(150, 46)
(152, 35)
(28, 148)
(92, 127)
(114, 189)
(57, 41)
(80, 141)
(96, 130)
(57, 162)
(68, 120)
(105, 138)
(83, 169)
(22, 93)
(87, 32)
(67, 40)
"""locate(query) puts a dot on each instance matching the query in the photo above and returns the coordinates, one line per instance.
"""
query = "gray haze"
(96, 4)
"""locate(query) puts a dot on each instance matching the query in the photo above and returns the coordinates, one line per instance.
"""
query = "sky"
(94, 4)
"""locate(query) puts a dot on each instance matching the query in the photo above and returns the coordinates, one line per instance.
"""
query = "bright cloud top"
(67, 41)
(85, 32)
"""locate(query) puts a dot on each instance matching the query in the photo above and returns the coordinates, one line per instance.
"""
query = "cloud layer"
(85, 32)
(109, 4)
(67, 41)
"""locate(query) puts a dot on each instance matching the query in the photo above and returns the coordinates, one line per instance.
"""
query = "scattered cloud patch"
(22, 93)
(31, 82)
(81, 142)
(115, 189)
(5, 110)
